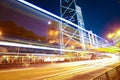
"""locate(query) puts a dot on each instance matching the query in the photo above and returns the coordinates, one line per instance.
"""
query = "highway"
(80, 70)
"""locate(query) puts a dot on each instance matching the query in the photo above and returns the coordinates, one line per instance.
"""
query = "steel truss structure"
(73, 35)
(85, 39)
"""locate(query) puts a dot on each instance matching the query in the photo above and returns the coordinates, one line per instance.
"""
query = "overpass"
(70, 36)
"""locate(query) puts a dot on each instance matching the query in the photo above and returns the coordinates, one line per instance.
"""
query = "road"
(80, 70)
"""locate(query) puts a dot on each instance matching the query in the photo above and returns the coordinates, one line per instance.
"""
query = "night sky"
(100, 16)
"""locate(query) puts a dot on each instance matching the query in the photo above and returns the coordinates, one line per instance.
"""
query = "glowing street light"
(49, 22)
(118, 32)
(72, 47)
(110, 35)
(0, 33)
(4, 56)
(56, 33)
(16, 56)
(51, 33)
(114, 36)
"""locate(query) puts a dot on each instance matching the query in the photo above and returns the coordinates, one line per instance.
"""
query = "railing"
(113, 74)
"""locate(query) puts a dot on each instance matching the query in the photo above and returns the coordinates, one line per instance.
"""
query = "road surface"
(80, 70)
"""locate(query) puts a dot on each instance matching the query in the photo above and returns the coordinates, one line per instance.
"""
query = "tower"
(70, 35)
(72, 12)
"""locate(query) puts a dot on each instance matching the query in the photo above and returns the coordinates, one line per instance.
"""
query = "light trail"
(33, 46)
(62, 70)
(92, 67)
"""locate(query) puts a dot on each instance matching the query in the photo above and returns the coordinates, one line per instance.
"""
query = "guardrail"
(113, 74)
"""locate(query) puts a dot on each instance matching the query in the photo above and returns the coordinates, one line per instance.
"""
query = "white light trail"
(34, 46)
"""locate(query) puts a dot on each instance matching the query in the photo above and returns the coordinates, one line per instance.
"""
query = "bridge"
(69, 33)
